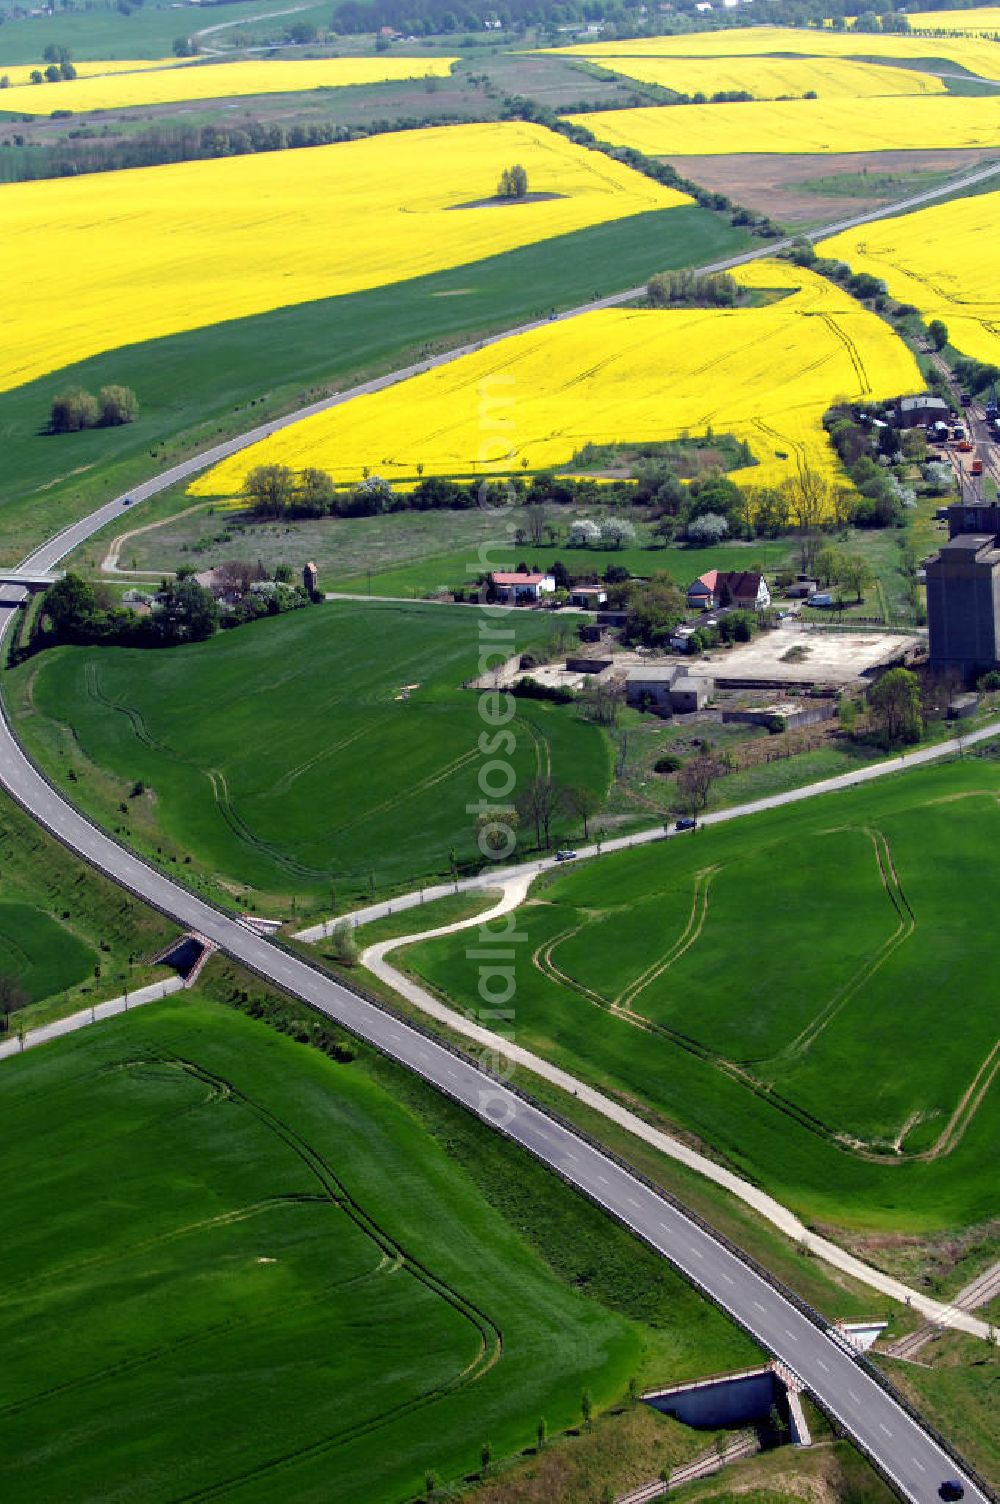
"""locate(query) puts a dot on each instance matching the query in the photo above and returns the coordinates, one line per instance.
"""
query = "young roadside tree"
(581, 803)
(536, 805)
(343, 945)
(12, 997)
(694, 782)
(542, 1432)
(118, 405)
(894, 702)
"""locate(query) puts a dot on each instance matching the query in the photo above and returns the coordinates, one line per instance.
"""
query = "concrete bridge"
(29, 579)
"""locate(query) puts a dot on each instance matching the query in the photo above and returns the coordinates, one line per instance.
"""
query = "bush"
(118, 405)
(73, 410)
(669, 763)
(990, 682)
(530, 689)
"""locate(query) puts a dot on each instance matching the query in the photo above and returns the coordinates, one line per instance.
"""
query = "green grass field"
(287, 757)
(59, 920)
(304, 1271)
(44, 957)
(106, 33)
(806, 992)
(194, 388)
(453, 569)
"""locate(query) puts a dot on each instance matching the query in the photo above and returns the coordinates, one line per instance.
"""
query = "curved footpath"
(900, 1444)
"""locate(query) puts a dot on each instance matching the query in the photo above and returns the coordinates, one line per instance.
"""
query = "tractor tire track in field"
(432, 779)
(332, 1193)
(292, 775)
(221, 796)
(243, 832)
(688, 937)
(489, 1335)
(905, 926)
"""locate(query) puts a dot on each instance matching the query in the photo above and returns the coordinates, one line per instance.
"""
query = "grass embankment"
(960, 1392)
(68, 937)
(332, 748)
(196, 388)
(777, 988)
(350, 1273)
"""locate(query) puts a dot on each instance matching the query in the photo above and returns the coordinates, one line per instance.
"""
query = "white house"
(515, 588)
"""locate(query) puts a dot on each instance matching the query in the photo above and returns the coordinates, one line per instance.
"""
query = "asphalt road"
(903, 1449)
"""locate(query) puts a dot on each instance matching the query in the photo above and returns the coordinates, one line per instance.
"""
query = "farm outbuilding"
(922, 412)
(670, 690)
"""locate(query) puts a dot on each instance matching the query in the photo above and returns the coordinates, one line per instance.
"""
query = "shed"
(651, 686)
(689, 693)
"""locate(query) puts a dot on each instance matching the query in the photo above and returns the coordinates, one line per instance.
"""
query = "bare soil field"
(790, 189)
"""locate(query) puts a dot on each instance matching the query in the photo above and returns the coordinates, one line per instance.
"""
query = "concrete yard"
(795, 655)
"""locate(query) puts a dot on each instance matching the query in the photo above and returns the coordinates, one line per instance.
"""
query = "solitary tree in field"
(513, 182)
(894, 702)
(587, 1409)
(542, 1432)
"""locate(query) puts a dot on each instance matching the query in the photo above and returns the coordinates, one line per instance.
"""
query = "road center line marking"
(920, 1464)
(759, 1306)
(822, 1365)
(883, 1427)
(790, 1333)
(854, 1397)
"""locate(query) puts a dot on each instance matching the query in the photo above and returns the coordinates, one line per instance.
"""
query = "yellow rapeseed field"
(802, 125)
(226, 80)
(984, 20)
(20, 73)
(773, 78)
(943, 260)
(765, 374)
(95, 262)
(979, 56)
